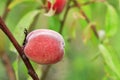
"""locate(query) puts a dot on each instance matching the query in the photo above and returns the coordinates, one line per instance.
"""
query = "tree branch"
(93, 27)
(31, 71)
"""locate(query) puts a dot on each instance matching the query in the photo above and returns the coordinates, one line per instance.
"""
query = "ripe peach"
(58, 6)
(44, 46)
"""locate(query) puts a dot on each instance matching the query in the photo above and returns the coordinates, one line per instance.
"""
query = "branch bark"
(31, 71)
(93, 27)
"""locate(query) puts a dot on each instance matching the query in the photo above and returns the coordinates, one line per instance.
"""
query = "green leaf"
(15, 67)
(25, 22)
(119, 5)
(88, 11)
(111, 59)
(111, 21)
(20, 10)
(22, 70)
(16, 2)
(2, 6)
(54, 23)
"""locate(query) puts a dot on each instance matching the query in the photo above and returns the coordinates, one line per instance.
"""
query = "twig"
(31, 71)
(26, 33)
(64, 17)
(8, 66)
(93, 27)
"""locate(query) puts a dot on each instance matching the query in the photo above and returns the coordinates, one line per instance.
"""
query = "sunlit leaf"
(111, 59)
(111, 20)
(88, 11)
(2, 6)
(16, 2)
(15, 15)
(119, 5)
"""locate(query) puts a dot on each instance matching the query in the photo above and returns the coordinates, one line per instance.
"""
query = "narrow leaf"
(111, 21)
(109, 60)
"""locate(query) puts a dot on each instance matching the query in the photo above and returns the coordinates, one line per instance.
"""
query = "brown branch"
(31, 71)
(8, 66)
(81, 11)
(93, 27)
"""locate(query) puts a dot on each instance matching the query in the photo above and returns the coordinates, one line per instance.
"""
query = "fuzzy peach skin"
(58, 6)
(44, 46)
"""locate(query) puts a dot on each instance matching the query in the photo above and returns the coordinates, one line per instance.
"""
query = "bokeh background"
(86, 57)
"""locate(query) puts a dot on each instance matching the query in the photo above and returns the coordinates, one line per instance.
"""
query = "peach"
(44, 46)
(58, 6)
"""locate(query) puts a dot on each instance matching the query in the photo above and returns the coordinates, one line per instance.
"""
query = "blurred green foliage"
(86, 58)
